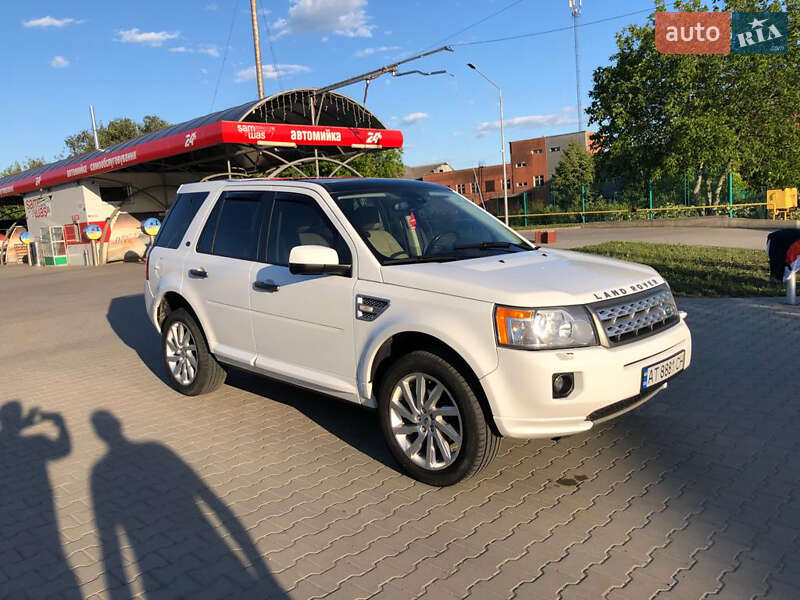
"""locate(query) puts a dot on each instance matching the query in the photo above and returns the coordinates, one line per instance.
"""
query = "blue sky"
(165, 58)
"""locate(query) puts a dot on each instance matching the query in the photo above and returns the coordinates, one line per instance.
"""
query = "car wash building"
(118, 187)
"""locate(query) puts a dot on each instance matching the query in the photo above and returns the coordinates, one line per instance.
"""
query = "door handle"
(268, 285)
(199, 273)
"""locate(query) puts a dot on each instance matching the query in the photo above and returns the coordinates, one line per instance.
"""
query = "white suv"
(406, 297)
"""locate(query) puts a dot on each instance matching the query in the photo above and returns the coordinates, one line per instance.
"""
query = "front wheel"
(432, 420)
(191, 368)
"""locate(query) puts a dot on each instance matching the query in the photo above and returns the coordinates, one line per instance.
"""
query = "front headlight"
(544, 328)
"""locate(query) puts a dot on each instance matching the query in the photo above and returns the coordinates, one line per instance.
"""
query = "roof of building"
(417, 172)
(280, 129)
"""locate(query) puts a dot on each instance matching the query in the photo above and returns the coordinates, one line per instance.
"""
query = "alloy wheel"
(425, 421)
(181, 353)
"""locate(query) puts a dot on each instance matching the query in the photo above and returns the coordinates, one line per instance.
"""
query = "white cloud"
(376, 50)
(414, 117)
(342, 17)
(208, 50)
(565, 116)
(149, 38)
(211, 6)
(270, 72)
(49, 21)
(59, 62)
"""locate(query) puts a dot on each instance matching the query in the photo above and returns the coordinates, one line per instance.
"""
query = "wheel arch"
(401, 343)
(171, 301)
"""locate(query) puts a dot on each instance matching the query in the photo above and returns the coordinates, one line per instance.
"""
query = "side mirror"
(316, 260)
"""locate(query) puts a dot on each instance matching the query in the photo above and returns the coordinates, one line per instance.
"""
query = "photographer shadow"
(31, 554)
(147, 499)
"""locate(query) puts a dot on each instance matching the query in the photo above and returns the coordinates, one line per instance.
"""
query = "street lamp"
(502, 137)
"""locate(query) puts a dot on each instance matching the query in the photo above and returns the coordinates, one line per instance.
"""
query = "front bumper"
(520, 389)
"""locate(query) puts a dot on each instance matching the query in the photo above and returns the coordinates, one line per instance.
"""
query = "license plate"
(662, 370)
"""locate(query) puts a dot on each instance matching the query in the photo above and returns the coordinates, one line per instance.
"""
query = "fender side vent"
(369, 308)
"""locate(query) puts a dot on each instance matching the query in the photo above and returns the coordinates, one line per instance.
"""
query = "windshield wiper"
(423, 259)
(490, 246)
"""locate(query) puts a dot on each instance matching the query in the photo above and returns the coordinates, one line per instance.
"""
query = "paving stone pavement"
(122, 488)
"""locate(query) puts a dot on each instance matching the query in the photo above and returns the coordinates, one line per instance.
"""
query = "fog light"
(563, 384)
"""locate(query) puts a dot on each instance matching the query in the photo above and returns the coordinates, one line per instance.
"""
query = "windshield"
(419, 223)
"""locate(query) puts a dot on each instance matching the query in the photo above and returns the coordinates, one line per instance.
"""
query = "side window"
(234, 227)
(177, 221)
(298, 221)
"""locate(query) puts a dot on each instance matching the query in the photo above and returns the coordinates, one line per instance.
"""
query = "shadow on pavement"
(146, 498)
(352, 424)
(32, 560)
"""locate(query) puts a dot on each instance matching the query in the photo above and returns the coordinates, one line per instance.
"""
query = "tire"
(203, 374)
(478, 444)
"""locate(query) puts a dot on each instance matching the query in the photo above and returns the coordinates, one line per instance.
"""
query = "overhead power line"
(476, 23)
(548, 31)
(225, 54)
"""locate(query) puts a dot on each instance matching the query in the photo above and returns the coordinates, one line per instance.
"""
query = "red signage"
(221, 132)
(693, 32)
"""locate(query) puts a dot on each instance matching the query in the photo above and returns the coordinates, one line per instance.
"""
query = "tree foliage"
(665, 114)
(17, 167)
(116, 131)
(575, 171)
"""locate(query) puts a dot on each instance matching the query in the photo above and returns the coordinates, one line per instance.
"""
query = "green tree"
(701, 114)
(17, 167)
(575, 171)
(15, 212)
(116, 131)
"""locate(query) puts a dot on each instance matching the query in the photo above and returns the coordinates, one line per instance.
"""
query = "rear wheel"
(191, 368)
(432, 420)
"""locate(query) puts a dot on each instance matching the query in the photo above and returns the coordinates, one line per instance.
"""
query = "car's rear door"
(166, 256)
(303, 324)
(219, 271)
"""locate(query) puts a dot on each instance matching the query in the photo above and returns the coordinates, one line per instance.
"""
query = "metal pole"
(503, 154)
(791, 289)
(525, 206)
(650, 193)
(575, 9)
(257, 46)
(730, 194)
(502, 137)
(94, 128)
(583, 203)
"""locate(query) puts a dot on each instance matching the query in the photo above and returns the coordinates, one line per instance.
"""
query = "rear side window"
(297, 220)
(234, 227)
(178, 218)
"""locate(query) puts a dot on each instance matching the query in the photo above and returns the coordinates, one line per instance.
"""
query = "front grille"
(637, 316)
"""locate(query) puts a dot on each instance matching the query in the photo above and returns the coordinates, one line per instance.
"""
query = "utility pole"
(575, 7)
(94, 128)
(257, 45)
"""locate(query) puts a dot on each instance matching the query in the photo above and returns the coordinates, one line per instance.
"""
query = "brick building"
(533, 162)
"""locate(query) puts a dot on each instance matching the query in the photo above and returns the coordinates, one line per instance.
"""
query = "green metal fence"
(685, 195)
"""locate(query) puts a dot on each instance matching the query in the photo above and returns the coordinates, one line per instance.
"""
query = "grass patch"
(699, 270)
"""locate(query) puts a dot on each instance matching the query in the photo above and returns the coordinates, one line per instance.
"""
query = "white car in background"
(406, 297)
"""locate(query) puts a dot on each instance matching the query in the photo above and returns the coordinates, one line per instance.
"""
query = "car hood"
(543, 277)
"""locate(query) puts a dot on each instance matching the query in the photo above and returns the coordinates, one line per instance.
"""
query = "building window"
(475, 187)
(522, 184)
(538, 180)
(536, 151)
(508, 184)
(519, 165)
(555, 148)
(460, 188)
(490, 185)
